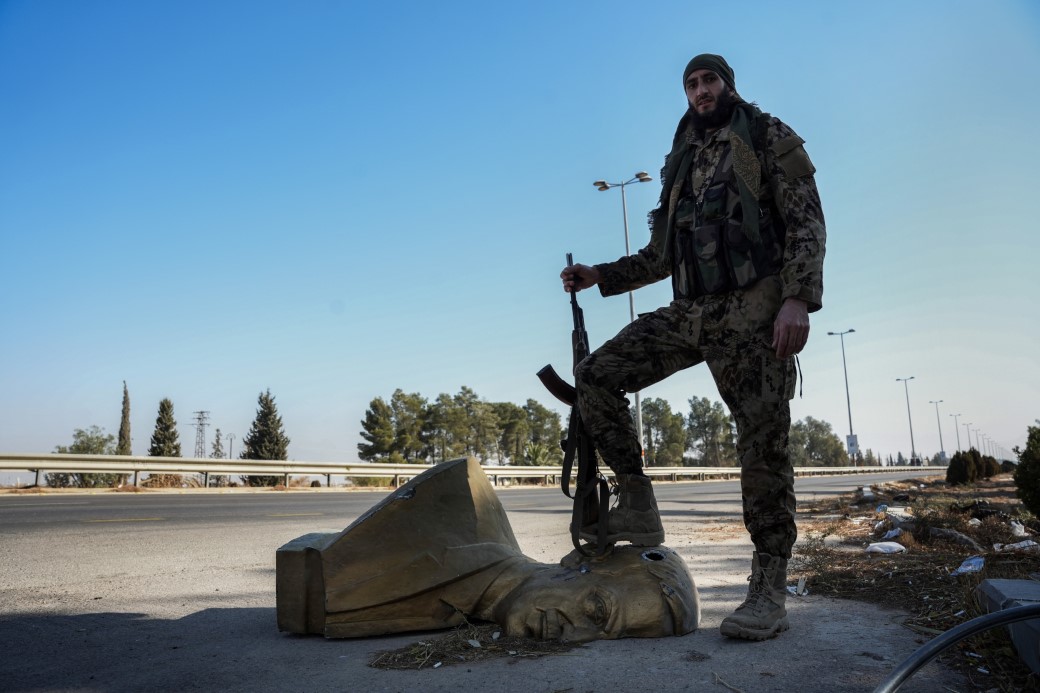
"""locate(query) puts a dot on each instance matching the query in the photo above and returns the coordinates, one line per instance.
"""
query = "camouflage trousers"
(731, 332)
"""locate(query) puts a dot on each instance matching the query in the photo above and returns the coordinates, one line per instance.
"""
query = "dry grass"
(832, 556)
(467, 643)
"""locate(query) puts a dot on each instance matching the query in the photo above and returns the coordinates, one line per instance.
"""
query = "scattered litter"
(974, 522)
(983, 670)
(437, 664)
(798, 590)
(1027, 545)
(960, 613)
(901, 497)
(867, 493)
(496, 635)
(886, 547)
(976, 655)
(893, 533)
(955, 537)
(1018, 530)
(972, 564)
(881, 508)
(474, 644)
(878, 526)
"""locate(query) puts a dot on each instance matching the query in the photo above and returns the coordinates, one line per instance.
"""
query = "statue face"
(633, 592)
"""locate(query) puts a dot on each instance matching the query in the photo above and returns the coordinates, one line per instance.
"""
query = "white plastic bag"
(886, 547)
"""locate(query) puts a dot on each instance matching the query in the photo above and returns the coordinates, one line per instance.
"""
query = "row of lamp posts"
(853, 447)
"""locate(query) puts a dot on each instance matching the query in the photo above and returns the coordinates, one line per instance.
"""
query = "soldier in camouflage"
(740, 231)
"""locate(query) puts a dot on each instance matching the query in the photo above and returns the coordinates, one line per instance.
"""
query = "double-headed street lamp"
(602, 185)
(942, 450)
(851, 443)
(906, 388)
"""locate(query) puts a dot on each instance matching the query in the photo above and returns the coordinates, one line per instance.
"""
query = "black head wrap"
(715, 63)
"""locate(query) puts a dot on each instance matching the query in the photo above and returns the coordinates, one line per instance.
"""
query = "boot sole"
(732, 630)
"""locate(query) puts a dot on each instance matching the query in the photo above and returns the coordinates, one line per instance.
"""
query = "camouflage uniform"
(732, 331)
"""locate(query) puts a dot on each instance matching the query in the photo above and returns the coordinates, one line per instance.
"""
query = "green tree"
(481, 424)
(266, 439)
(124, 445)
(545, 428)
(165, 443)
(710, 433)
(217, 451)
(378, 430)
(664, 433)
(1027, 474)
(165, 440)
(90, 441)
(813, 443)
(408, 413)
(512, 432)
(537, 455)
(446, 429)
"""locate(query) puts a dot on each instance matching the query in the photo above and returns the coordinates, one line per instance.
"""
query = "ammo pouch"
(715, 256)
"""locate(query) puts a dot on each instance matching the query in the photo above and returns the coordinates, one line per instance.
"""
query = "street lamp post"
(231, 444)
(942, 450)
(602, 185)
(851, 443)
(957, 430)
(906, 388)
(967, 428)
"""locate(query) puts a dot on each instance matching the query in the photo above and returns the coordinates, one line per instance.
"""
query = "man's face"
(614, 599)
(703, 90)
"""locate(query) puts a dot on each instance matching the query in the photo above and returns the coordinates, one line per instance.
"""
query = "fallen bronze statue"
(440, 550)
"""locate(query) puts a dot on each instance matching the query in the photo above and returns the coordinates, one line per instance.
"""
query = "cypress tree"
(124, 447)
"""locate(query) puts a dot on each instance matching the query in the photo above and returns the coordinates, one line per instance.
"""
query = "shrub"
(961, 469)
(1027, 475)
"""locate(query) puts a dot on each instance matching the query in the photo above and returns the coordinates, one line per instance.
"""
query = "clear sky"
(336, 199)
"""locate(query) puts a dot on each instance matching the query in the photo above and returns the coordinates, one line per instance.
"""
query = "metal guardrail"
(128, 464)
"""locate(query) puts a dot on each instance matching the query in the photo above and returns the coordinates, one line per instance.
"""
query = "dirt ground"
(940, 527)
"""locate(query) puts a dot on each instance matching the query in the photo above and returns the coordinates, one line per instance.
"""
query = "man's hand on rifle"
(578, 277)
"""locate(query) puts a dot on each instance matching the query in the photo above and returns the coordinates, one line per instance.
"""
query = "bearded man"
(740, 231)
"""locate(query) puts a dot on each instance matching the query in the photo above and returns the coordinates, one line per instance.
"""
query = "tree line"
(409, 428)
(266, 440)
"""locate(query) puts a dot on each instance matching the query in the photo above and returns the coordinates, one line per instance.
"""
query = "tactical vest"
(712, 254)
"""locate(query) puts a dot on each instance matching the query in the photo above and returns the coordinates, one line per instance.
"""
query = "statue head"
(630, 592)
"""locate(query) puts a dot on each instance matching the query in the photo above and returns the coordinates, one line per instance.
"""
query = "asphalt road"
(175, 591)
(27, 513)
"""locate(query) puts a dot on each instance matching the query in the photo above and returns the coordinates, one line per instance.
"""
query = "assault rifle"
(591, 495)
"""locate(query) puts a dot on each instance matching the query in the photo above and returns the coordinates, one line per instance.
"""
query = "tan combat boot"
(636, 518)
(762, 615)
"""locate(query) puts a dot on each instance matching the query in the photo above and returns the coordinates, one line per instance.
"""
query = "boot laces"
(758, 598)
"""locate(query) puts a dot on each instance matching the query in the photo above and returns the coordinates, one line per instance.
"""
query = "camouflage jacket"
(787, 178)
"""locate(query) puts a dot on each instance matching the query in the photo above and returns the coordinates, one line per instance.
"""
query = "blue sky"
(336, 199)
